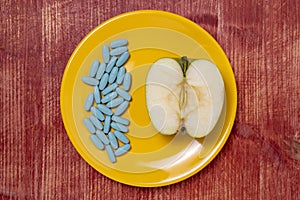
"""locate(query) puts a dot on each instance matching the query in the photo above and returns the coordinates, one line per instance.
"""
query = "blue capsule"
(109, 89)
(119, 127)
(118, 43)
(109, 97)
(107, 124)
(110, 153)
(88, 124)
(97, 94)
(104, 109)
(94, 68)
(123, 59)
(106, 77)
(111, 64)
(97, 142)
(122, 149)
(120, 120)
(95, 121)
(113, 75)
(89, 80)
(121, 137)
(115, 102)
(97, 113)
(113, 140)
(127, 81)
(89, 102)
(121, 108)
(125, 95)
(103, 81)
(102, 137)
(105, 53)
(118, 51)
(121, 74)
(101, 70)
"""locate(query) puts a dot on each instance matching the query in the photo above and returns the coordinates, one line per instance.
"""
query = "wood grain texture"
(261, 159)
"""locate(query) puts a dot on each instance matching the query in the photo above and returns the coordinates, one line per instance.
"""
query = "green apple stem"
(184, 63)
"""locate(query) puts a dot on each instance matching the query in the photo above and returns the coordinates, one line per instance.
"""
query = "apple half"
(184, 95)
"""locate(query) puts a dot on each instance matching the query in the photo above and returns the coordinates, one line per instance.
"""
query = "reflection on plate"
(155, 159)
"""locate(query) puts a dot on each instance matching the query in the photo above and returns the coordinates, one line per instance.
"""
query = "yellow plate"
(154, 159)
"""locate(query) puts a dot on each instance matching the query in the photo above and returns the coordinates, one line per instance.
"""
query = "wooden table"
(261, 159)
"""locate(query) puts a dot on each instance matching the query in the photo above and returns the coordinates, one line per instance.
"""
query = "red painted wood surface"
(261, 159)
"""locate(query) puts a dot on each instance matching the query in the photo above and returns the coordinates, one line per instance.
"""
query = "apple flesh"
(184, 96)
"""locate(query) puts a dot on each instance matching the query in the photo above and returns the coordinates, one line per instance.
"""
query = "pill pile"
(109, 100)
